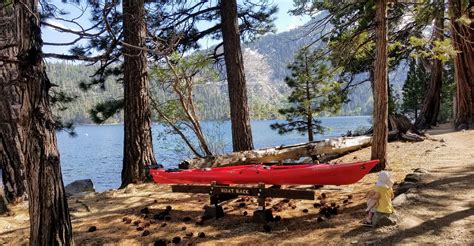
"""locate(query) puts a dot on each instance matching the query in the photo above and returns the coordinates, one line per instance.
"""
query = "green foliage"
(105, 110)
(414, 88)
(432, 49)
(394, 105)
(313, 91)
(71, 104)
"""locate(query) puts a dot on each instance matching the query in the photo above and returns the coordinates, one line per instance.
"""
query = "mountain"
(265, 61)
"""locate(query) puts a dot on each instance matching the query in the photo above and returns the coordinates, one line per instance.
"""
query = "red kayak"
(302, 174)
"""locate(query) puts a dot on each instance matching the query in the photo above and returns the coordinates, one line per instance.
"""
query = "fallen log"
(333, 146)
(400, 128)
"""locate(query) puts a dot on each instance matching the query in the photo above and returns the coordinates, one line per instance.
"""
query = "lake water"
(96, 151)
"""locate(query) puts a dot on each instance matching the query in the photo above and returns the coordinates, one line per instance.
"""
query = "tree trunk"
(138, 147)
(463, 39)
(26, 115)
(13, 170)
(239, 110)
(379, 145)
(12, 160)
(431, 103)
(309, 120)
(3, 202)
(333, 146)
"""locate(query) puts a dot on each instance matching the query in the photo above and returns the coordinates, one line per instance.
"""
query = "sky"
(284, 22)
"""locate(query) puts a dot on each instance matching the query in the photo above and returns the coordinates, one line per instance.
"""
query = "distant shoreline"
(156, 122)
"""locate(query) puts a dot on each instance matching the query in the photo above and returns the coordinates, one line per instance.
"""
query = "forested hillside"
(266, 61)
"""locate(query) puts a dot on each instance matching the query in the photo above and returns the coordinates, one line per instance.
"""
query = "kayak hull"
(301, 174)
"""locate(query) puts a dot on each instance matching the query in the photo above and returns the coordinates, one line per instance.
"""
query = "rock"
(399, 200)
(201, 235)
(137, 222)
(163, 225)
(382, 220)
(168, 208)
(413, 177)
(442, 140)
(189, 234)
(245, 213)
(319, 219)
(147, 224)
(277, 218)
(404, 186)
(420, 170)
(92, 229)
(79, 186)
(139, 228)
(145, 233)
(305, 210)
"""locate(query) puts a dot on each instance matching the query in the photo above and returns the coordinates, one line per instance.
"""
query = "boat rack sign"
(245, 191)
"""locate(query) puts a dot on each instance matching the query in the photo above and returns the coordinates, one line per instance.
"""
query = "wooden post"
(261, 197)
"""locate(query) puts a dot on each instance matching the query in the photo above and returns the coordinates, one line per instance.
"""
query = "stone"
(92, 229)
(201, 235)
(79, 186)
(420, 170)
(384, 220)
(404, 186)
(262, 216)
(213, 212)
(399, 200)
(413, 177)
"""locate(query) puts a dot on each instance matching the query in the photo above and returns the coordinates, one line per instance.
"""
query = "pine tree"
(414, 88)
(313, 91)
(380, 118)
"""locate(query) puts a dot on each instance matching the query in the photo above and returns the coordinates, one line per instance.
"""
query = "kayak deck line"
(300, 174)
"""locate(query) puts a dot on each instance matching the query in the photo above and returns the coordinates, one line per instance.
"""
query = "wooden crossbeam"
(245, 191)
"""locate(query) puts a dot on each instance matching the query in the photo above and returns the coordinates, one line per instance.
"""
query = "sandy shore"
(440, 211)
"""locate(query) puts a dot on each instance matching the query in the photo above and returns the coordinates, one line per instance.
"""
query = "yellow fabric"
(385, 200)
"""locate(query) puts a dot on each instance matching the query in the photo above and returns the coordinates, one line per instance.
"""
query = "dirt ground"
(439, 212)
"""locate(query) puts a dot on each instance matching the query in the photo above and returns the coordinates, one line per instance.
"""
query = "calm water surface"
(96, 152)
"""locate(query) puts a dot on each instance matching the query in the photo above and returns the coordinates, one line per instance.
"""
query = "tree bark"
(333, 146)
(239, 110)
(431, 103)
(138, 147)
(379, 145)
(12, 162)
(26, 115)
(463, 39)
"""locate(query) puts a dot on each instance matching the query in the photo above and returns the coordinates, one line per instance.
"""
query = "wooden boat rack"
(220, 193)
